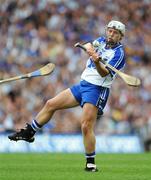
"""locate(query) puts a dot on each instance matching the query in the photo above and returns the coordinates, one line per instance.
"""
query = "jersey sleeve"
(98, 41)
(118, 60)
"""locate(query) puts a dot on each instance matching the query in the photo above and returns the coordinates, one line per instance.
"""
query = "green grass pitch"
(57, 166)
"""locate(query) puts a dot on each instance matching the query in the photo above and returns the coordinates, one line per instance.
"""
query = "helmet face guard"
(118, 26)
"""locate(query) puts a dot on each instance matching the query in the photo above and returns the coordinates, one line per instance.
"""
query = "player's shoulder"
(99, 40)
(119, 48)
(119, 51)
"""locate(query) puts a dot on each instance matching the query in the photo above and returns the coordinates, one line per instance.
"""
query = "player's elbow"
(104, 74)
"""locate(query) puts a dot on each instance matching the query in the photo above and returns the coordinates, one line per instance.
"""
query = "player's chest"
(106, 54)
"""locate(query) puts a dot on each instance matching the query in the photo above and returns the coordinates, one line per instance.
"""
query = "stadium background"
(33, 32)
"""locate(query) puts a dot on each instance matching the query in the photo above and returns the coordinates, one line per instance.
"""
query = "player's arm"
(100, 68)
(95, 57)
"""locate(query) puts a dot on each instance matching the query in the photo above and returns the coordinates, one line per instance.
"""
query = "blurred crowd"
(35, 32)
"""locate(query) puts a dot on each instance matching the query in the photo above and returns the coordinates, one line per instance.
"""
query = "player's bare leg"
(87, 126)
(62, 101)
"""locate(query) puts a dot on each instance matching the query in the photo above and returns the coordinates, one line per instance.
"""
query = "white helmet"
(117, 25)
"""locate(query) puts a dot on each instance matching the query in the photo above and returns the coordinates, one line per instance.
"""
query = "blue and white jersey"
(114, 56)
